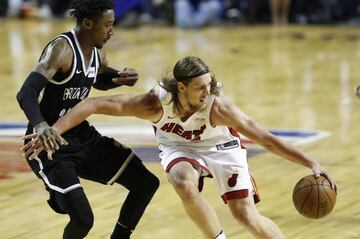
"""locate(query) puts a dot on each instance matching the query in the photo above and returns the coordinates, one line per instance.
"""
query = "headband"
(184, 78)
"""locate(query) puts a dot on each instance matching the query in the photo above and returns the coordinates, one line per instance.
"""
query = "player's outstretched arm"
(144, 106)
(227, 113)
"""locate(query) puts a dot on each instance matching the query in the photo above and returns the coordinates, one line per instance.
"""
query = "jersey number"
(63, 111)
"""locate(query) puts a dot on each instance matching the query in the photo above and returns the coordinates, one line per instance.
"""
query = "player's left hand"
(127, 76)
(319, 170)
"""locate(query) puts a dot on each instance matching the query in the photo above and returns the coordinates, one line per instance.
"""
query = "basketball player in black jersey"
(68, 67)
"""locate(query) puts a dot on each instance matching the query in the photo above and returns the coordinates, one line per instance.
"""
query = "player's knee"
(246, 216)
(87, 219)
(243, 218)
(186, 188)
(79, 210)
(83, 222)
(86, 222)
(149, 184)
(79, 225)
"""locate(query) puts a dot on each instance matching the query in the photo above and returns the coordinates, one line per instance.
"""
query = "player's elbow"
(150, 103)
(100, 105)
(268, 142)
(19, 97)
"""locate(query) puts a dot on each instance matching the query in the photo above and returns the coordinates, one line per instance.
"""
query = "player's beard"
(199, 106)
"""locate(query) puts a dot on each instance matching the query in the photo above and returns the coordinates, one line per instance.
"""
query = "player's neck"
(86, 46)
(183, 109)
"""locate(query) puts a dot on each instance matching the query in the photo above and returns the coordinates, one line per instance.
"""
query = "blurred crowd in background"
(191, 14)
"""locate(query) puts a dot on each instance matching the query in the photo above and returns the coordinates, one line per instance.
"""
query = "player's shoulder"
(58, 54)
(219, 100)
(222, 105)
(162, 94)
(60, 42)
(59, 47)
(152, 97)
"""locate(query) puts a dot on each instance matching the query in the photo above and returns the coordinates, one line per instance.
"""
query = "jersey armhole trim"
(74, 61)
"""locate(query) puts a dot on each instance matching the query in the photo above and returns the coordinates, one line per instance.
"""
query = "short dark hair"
(90, 9)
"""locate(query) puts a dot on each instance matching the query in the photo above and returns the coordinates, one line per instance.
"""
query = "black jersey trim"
(86, 70)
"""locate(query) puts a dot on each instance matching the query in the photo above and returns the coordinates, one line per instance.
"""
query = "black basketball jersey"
(65, 90)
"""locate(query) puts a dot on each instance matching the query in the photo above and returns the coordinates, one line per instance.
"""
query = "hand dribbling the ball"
(319, 170)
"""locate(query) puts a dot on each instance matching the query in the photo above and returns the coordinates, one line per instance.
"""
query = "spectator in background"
(134, 13)
(130, 13)
(3, 8)
(197, 13)
(42, 9)
(52, 8)
(280, 11)
(58, 7)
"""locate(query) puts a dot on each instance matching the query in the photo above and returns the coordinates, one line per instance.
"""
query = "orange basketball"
(314, 197)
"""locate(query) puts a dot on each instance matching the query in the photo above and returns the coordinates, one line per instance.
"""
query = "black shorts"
(98, 158)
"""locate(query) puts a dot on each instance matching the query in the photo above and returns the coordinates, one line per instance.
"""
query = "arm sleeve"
(27, 97)
(104, 80)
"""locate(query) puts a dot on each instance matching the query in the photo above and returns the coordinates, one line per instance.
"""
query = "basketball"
(313, 197)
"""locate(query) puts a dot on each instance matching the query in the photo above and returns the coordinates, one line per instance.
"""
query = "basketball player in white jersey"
(197, 131)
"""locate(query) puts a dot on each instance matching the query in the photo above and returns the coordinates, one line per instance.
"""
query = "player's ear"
(87, 23)
(180, 87)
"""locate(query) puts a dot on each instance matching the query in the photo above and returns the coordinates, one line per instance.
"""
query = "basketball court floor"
(297, 81)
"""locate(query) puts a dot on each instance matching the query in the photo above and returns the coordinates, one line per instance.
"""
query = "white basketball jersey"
(195, 132)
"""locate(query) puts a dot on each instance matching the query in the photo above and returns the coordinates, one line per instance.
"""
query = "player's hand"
(32, 148)
(357, 91)
(46, 138)
(319, 170)
(128, 76)
(49, 137)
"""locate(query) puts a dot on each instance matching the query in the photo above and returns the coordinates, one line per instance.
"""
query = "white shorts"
(228, 167)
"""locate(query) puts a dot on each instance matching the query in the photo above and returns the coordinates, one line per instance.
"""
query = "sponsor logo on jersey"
(200, 120)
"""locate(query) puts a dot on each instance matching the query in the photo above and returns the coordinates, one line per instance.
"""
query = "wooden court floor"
(296, 77)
